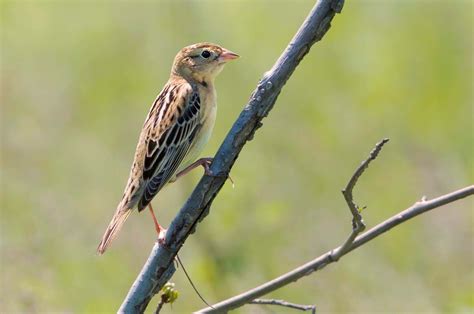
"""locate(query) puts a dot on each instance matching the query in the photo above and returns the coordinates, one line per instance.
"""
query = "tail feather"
(114, 227)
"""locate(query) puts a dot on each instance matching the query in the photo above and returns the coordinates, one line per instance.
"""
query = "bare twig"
(347, 192)
(159, 267)
(357, 222)
(160, 306)
(327, 258)
(295, 306)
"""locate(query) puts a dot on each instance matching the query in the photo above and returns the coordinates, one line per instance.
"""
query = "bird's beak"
(227, 55)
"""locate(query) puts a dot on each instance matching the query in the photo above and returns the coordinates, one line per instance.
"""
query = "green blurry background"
(78, 78)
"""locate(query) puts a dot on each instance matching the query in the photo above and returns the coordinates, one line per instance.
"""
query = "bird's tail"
(114, 227)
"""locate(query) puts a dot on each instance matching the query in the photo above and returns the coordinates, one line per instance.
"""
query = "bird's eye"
(205, 54)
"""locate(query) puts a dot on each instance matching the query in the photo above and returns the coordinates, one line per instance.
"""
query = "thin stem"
(191, 282)
(358, 224)
(159, 306)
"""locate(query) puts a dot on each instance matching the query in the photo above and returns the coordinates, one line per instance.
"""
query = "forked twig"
(358, 224)
(352, 243)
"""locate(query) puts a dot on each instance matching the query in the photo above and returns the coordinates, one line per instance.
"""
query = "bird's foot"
(206, 163)
(207, 171)
(162, 236)
(159, 229)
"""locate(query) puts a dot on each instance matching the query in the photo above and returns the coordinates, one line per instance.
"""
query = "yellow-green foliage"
(78, 78)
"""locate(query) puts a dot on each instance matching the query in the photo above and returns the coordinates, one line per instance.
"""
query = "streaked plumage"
(175, 131)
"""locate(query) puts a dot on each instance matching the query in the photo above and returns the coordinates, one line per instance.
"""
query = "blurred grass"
(78, 78)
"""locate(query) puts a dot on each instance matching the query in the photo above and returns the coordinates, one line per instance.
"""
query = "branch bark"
(284, 303)
(159, 267)
(328, 258)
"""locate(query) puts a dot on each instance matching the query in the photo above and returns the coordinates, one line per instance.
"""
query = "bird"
(176, 129)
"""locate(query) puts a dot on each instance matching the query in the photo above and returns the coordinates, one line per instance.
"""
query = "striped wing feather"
(165, 152)
(168, 132)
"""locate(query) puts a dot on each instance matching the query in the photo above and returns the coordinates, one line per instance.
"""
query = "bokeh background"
(78, 78)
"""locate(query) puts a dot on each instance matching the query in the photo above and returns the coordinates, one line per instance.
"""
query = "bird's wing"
(169, 131)
(167, 134)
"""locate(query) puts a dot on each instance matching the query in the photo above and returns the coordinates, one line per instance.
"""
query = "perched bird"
(177, 127)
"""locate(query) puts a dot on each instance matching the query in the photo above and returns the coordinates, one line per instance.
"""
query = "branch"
(328, 258)
(300, 307)
(159, 267)
(357, 222)
(347, 192)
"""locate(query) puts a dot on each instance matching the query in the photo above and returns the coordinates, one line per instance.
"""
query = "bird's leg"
(205, 163)
(159, 229)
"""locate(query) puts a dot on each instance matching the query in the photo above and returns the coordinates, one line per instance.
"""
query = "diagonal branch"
(159, 267)
(327, 258)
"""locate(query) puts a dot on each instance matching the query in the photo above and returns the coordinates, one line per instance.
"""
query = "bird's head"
(201, 62)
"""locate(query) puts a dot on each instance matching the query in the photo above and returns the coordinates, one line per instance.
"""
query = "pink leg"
(205, 162)
(159, 229)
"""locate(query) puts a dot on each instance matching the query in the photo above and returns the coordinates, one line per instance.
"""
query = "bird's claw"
(162, 236)
(206, 163)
